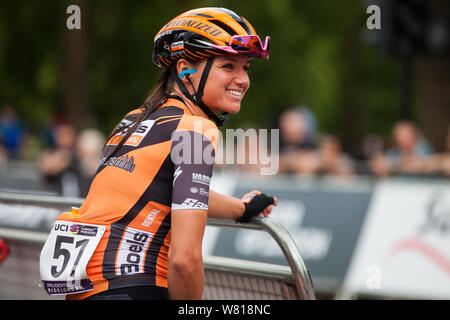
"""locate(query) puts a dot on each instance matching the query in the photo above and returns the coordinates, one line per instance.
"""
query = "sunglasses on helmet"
(249, 45)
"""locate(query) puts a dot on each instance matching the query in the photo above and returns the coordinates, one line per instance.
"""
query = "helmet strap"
(197, 96)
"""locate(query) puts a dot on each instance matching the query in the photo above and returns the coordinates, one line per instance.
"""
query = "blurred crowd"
(68, 159)
(71, 159)
(405, 152)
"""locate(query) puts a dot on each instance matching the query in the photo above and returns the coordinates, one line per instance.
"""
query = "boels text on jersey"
(132, 251)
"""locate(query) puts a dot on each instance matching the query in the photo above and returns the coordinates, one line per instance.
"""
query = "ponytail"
(164, 86)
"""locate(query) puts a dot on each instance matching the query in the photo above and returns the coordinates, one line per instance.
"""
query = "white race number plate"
(65, 255)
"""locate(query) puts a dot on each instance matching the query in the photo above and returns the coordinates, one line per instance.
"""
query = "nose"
(242, 79)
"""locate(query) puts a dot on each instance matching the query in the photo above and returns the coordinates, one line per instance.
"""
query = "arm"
(185, 267)
(221, 206)
(189, 210)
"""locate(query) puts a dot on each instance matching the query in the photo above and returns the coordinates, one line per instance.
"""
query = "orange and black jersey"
(165, 164)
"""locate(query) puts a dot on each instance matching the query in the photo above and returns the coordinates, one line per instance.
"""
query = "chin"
(234, 110)
(231, 109)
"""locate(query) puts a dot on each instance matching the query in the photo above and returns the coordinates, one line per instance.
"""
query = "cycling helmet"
(203, 34)
(206, 32)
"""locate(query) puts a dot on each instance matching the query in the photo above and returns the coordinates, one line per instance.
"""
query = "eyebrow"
(231, 58)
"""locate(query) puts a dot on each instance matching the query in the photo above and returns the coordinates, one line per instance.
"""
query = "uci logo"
(62, 227)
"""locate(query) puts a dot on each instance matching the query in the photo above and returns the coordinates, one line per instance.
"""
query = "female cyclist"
(151, 191)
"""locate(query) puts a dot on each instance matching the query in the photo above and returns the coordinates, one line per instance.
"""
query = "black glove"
(256, 205)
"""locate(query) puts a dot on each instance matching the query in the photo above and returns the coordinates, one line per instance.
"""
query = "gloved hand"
(4, 250)
(255, 203)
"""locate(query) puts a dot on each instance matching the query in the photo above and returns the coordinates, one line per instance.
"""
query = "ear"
(182, 65)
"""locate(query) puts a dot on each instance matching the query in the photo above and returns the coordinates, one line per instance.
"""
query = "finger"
(275, 202)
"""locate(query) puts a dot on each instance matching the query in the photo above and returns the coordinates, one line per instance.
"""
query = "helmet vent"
(222, 25)
(245, 26)
(202, 15)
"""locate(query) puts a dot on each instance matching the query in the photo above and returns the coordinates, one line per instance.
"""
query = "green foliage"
(318, 59)
(30, 58)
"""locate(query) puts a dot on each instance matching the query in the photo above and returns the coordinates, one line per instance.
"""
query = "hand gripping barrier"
(296, 274)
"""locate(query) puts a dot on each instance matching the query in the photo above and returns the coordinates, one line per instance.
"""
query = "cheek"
(215, 88)
(213, 93)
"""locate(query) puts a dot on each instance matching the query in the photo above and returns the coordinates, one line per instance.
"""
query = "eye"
(228, 66)
(246, 68)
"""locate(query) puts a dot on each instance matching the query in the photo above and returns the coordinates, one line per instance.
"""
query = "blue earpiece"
(186, 72)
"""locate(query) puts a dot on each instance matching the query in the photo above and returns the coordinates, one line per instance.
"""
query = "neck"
(192, 107)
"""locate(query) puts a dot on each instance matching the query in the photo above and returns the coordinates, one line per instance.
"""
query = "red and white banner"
(404, 246)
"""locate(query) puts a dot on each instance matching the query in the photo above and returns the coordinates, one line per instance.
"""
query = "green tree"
(318, 58)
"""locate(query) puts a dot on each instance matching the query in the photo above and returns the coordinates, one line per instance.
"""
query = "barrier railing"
(295, 275)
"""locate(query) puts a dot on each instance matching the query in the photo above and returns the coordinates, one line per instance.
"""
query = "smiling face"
(227, 83)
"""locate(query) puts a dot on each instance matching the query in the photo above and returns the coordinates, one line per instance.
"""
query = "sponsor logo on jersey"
(122, 162)
(194, 190)
(132, 251)
(150, 218)
(176, 174)
(201, 178)
(190, 203)
(136, 137)
(204, 192)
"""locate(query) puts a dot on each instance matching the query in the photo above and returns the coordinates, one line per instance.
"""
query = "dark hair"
(162, 89)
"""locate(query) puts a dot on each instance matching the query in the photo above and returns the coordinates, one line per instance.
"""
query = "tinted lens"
(246, 44)
(251, 45)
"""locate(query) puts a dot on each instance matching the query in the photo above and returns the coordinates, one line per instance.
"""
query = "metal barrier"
(225, 278)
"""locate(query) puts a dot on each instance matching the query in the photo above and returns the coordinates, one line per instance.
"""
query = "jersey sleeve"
(193, 155)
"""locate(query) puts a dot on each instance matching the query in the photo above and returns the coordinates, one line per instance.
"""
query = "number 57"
(65, 253)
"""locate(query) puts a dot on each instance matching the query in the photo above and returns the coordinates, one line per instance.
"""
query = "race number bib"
(65, 255)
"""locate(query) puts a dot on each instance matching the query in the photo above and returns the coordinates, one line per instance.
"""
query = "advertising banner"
(404, 249)
(323, 221)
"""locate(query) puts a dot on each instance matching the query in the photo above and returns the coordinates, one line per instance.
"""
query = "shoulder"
(199, 125)
(196, 123)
